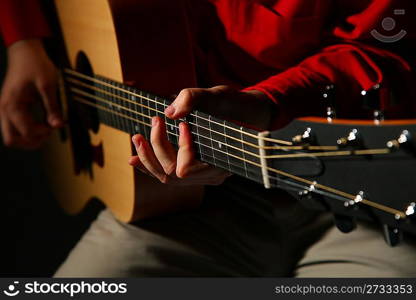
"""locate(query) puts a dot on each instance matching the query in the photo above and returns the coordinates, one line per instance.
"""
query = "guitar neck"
(217, 142)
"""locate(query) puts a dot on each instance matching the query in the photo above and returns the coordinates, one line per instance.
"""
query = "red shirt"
(21, 19)
(289, 49)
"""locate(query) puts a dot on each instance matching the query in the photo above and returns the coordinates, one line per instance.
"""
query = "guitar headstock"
(356, 169)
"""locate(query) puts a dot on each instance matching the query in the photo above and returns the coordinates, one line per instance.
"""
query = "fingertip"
(56, 122)
(155, 121)
(133, 160)
(135, 138)
(170, 111)
(138, 140)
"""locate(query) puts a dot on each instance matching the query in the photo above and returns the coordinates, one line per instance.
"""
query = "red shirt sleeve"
(348, 61)
(22, 19)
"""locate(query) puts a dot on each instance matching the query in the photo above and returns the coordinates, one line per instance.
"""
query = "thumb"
(50, 102)
(186, 101)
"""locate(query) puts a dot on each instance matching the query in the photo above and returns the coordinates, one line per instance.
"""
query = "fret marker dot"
(220, 145)
(133, 97)
(171, 127)
(137, 128)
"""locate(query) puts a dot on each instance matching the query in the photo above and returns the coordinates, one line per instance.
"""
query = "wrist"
(26, 47)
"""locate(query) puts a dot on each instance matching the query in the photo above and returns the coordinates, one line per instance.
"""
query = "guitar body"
(122, 41)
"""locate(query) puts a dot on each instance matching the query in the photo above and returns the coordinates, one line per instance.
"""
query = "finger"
(49, 98)
(23, 121)
(148, 158)
(9, 137)
(12, 138)
(184, 103)
(163, 149)
(186, 154)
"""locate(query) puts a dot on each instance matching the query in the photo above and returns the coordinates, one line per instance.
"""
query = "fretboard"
(217, 142)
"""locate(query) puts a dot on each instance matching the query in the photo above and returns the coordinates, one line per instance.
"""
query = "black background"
(35, 234)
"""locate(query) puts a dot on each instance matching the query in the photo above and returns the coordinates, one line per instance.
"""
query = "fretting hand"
(159, 158)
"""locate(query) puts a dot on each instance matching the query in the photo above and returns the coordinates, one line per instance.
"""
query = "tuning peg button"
(402, 140)
(351, 140)
(410, 210)
(303, 139)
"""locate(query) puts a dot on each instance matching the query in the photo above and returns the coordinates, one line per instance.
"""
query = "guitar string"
(95, 88)
(94, 79)
(341, 153)
(144, 115)
(278, 179)
(279, 172)
(277, 156)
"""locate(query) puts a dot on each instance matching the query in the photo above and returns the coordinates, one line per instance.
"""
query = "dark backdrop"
(35, 234)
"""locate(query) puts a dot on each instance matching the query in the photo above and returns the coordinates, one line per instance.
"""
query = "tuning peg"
(303, 139)
(392, 236)
(344, 224)
(352, 139)
(312, 200)
(329, 99)
(402, 140)
(372, 101)
(410, 210)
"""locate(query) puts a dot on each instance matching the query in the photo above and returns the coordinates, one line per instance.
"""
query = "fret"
(218, 141)
(116, 108)
(115, 119)
(195, 128)
(240, 151)
(120, 108)
(152, 106)
(173, 130)
(244, 154)
(102, 114)
(105, 96)
(176, 126)
(144, 111)
(170, 125)
(203, 136)
(230, 159)
(160, 107)
(139, 127)
(210, 138)
(131, 106)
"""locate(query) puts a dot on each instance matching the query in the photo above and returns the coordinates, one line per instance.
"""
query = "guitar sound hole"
(84, 119)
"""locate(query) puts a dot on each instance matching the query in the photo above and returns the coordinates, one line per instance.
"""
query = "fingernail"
(136, 141)
(55, 122)
(170, 110)
(155, 121)
(131, 161)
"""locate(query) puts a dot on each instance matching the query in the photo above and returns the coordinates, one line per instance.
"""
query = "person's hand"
(158, 158)
(30, 77)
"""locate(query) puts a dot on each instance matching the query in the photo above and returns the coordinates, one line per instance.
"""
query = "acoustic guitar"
(356, 169)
